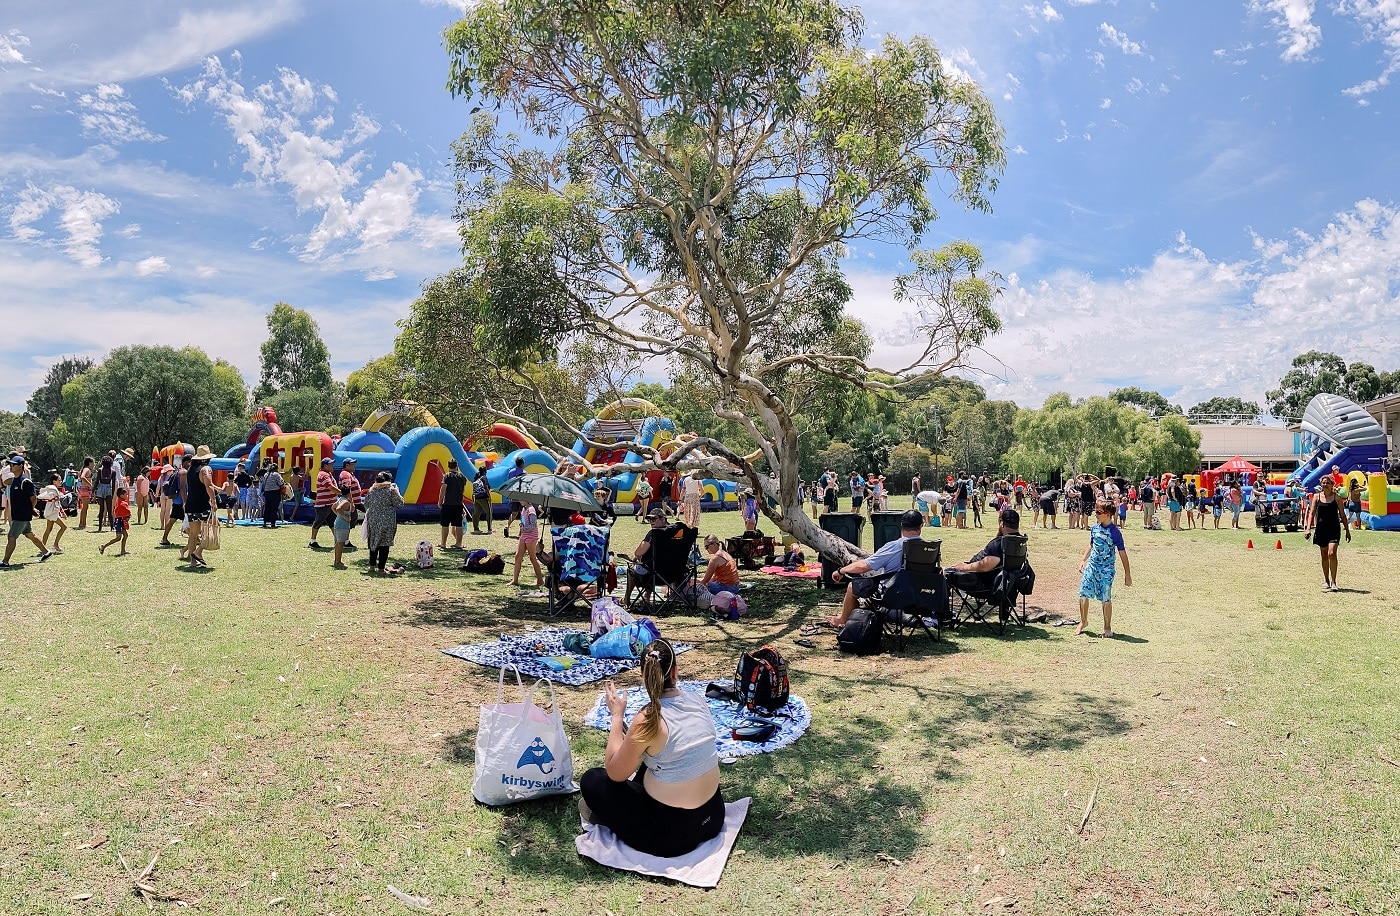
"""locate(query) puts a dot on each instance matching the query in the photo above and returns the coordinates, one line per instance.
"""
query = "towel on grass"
(812, 571)
(701, 867)
(526, 650)
(792, 720)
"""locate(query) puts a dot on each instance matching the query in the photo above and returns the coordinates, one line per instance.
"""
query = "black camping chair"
(915, 597)
(1003, 590)
(670, 580)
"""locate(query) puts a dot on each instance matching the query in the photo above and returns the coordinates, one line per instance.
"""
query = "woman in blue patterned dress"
(1098, 564)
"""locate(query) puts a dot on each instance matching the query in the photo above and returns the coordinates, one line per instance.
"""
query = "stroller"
(1272, 514)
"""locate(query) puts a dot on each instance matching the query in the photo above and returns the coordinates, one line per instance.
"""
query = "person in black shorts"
(454, 487)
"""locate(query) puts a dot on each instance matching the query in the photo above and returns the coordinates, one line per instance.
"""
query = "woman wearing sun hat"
(199, 502)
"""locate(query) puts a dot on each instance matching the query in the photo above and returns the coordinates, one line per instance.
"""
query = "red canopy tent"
(1236, 466)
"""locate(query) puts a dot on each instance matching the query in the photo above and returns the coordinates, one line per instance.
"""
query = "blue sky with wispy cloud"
(1196, 190)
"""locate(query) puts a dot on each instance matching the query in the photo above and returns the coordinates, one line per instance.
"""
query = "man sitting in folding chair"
(578, 563)
(983, 583)
(865, 575)
(668, 579)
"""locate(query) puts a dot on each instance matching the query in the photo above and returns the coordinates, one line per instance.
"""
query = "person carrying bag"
(522, 752)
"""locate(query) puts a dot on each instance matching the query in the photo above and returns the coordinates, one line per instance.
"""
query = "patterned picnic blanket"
(525, 650)
(792, 720)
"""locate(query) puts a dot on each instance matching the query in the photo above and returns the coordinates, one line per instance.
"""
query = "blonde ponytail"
(658, 667)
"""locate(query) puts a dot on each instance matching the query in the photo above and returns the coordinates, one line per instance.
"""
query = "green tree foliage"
(46, 403)
(13, 430)
(1154, 403)
(144, 396)
(715, 159)
(293, 356)
(1167, 443)
(307, 409)
(907, 460)
(1085, 436)
(838, 457)
(1317, 372)
(1233, 411)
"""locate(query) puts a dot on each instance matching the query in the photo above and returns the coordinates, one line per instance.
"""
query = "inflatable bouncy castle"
(630, 423)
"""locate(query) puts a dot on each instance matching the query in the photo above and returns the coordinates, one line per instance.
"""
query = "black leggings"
(646, 824)
(378, 556)
(272, 502)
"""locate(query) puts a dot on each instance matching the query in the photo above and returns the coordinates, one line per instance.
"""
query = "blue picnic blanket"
(792, 720)
(524, 651)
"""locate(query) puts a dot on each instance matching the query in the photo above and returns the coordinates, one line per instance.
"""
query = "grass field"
(299, 733)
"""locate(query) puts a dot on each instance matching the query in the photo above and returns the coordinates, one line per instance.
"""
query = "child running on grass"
(121, 521)
(1097, 566)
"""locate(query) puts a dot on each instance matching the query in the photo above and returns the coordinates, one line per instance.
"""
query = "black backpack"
(761, 680)
(861, 634)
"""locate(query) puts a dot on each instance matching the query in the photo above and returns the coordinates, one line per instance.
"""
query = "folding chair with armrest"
(1003, 590)
(669, 582)
(916, 596)
(579, 566)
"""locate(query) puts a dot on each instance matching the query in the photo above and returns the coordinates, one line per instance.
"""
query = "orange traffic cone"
(1278, 545)
(1249, 545)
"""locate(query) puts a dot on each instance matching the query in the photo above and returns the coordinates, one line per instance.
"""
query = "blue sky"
(1196, 190)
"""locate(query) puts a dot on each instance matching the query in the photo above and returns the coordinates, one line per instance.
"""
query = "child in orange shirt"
(121, 522)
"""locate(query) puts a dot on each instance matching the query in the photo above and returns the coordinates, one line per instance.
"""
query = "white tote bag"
(521, 750)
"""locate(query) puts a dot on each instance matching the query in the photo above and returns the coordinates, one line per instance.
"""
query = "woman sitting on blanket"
(672, 804)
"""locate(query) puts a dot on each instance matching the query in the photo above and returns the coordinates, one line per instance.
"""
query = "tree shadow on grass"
(851, 788)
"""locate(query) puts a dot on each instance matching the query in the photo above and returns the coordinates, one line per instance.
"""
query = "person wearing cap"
(327, 492)
(978, 571)
(21, 498)
(656, 519)
(347, 478)
(862, 576)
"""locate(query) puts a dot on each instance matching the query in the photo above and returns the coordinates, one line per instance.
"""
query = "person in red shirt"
(121, 523)
(327, 492)
(357, 496)
(1337, 477)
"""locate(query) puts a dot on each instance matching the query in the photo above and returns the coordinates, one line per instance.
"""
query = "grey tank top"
(690, 750)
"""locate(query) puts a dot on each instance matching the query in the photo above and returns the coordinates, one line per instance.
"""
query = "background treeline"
(144, 396)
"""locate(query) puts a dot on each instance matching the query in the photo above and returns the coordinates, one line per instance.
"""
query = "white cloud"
(106, 114)
(129, 50)
(1106, 103)
(1298, 34)
(205, 272)
(375, 274)
(130, 230)
(1380, 21)
(1112, 37)
(282, 128)
(80, 216)
(959, 63)
(10, 44)
(1046, 12)
(151, 266)
(1072, 331)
